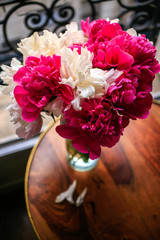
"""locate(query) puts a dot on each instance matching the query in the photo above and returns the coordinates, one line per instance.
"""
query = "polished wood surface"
(123, 199)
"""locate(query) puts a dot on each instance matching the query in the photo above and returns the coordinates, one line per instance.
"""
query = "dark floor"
(14, 221)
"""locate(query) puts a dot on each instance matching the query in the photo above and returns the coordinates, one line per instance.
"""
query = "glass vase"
(77, 160)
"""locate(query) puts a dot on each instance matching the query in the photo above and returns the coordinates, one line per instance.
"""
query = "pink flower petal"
(140, 107)
(19, 92)
(109, 31)
(100, 55)
(128, 97)
(80, 140)
(30, 116)
(110, 141)
(67, 131)
(116, 57)
(19, 75)
(66, 93)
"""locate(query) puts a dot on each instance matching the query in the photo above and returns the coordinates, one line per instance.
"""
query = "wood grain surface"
(123, 199)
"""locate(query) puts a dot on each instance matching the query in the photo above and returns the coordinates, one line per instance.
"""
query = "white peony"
(87, 82)
(49, 43)
(23, 129)
(72, 35)
(94, 84)
(73, 63)
(7, 76)
(36, 45)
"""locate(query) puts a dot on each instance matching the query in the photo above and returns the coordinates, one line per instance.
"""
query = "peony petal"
(19, 92)
(86, 26)
(86, 143)
(67, 131)
(66, 93)
(81, 197)
(110, 141)
(79, 143)
(116, 57)
(94, 148)
(140, 107)
(20, 74)
(109, 31)
(75, 134)
(128, 97)
(68, 194)
(30, 116)
(100, 55)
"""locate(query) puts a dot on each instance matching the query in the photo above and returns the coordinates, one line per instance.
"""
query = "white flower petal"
(72, 35)
(28, 130)
(23, 129)
(112, 75)
(73, 63)
(15, 64)
(55, 107)
(132, 32)
(36, 45)
(7, 76)
(116, 20)
(69, 82)
(86, 91)
(68, 194)
(76, 104)
(81, 197)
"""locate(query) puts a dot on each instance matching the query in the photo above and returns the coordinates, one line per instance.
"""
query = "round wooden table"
(123, 198)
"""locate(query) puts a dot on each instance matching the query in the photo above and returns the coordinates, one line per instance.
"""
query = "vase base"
(78, 164)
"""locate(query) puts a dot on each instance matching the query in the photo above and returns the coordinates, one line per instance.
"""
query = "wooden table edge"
(27, 175)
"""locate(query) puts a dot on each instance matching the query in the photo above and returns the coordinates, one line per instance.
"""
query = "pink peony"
(101, 29)
(130, 94)
(135, 56)
(127, 100)
(86, 26)
(115, 48)
(145, 64)
(97, 124)
(105, 40)
(38, 84)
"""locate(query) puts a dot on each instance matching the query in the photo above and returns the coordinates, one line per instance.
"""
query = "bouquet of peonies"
(96, 78)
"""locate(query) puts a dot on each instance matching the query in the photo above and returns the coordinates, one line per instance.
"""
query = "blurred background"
(19, 19)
